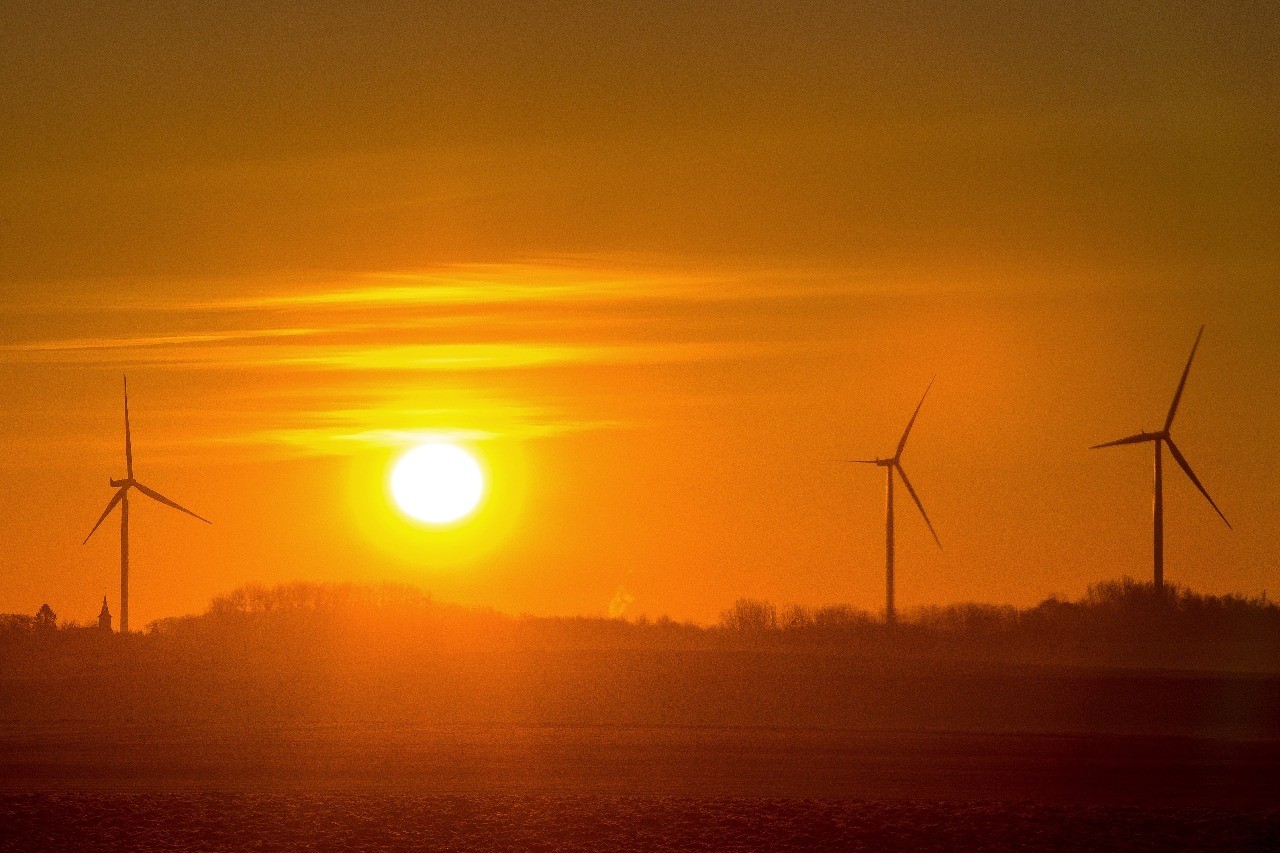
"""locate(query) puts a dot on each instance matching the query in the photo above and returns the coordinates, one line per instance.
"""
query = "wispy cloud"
(386, 424)
(478, 284)
(447, 357)
(321, 441)
(497, 356)
(360, 347)
(507, 330)
(65, 345)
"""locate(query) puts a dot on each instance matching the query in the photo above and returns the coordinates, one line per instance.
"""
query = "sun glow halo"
(437, 483)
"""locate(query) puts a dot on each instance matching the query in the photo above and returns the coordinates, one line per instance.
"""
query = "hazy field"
(385, 728)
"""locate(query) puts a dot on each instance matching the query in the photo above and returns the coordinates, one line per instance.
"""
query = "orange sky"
(657, 265)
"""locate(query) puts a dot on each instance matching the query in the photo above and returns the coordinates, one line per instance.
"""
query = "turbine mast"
(124, 562)
(124, 517)
(1158, 510)
(890, 617)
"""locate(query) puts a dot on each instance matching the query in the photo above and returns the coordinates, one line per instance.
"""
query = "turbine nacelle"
(881, 463)
(116, 484)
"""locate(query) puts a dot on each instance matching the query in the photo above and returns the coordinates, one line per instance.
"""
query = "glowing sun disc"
(437, 483)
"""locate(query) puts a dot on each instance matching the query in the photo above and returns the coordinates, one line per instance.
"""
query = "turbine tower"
(1160, 439)
(121, 497)
(891, 465)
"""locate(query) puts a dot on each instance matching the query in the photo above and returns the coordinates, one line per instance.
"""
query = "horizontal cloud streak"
(513, 332)
(371, 358)
(391, 424)
(81, 344)
(573, 280)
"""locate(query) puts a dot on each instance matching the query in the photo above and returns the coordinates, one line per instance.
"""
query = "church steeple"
(104, 617)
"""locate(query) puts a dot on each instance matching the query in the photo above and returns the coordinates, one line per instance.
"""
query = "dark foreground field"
(1109, 770)
(1058, 760)
(377, 787)
(333, 821)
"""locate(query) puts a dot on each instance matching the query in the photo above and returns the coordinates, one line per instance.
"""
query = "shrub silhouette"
(750, 616)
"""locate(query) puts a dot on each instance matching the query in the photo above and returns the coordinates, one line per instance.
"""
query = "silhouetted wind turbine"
(121, 497)
(1160, 439)
(890, 465)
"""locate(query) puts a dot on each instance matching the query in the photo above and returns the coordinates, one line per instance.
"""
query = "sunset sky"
(657, 265)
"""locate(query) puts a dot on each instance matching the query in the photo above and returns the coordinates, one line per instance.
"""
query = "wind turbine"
(891, 465)
(121, 497)
(1160, 439)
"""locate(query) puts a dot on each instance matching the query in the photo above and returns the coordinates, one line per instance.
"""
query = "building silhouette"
(104, 616)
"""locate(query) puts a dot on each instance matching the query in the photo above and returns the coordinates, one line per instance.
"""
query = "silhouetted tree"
(46, 619)
(750, 616)
(15, 624)
(796, 619)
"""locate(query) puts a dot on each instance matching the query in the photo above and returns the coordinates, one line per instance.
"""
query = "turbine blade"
(1186, 467)
(156, 496)
(115, 499)
(128, 439)
(920, 506)
(1133, 439)
(1177, 395)
(902, 442)
(860, 461)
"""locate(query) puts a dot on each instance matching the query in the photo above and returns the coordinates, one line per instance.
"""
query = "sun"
(437, 483)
